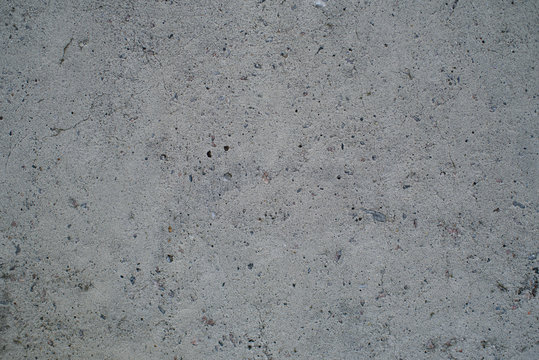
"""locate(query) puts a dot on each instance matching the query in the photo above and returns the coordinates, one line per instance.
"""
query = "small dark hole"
(209, 154)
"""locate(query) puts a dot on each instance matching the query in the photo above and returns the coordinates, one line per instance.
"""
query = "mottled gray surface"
(250, 179)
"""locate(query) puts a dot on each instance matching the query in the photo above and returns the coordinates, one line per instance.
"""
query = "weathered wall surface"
(253, 179)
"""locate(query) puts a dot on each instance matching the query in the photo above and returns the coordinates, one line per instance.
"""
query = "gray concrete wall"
(250, 179)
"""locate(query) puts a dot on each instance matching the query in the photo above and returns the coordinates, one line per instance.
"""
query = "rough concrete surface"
(250, 179)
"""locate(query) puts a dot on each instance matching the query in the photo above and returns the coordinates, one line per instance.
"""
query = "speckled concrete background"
(250, 179)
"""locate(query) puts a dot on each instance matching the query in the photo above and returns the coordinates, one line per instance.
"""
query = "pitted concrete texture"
(278, 179)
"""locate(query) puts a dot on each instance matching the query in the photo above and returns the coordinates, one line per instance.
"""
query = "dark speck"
(132, 279)
(250, 266)
(516, 203)
(161, 309)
